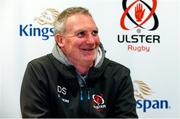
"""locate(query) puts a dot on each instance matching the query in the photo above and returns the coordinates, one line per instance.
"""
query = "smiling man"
(80, 41)
(76, 79)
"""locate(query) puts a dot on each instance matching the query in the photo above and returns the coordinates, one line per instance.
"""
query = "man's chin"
(89, 59)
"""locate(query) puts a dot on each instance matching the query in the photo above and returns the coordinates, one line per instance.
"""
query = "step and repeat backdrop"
(140, 34)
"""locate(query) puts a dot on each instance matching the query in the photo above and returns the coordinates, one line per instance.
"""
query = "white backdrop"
(157, 69)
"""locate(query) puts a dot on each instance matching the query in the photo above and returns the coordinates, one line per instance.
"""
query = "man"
(76, 80)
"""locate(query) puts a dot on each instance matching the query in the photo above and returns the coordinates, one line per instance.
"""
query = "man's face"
(81, 40)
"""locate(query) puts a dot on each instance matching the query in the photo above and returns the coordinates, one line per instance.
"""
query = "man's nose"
(90, 39)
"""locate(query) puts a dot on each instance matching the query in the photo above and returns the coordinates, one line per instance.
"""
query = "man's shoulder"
(43, 61)
(47, 62)
(40, 60)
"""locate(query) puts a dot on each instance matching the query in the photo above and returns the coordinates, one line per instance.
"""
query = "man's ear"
(59, 40)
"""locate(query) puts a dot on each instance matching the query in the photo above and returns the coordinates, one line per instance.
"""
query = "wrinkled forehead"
(80, 22)
(79, 17)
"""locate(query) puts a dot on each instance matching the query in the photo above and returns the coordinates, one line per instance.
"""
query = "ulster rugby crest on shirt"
(98, 102)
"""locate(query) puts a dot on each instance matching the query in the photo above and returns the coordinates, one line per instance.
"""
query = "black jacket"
(51, 89)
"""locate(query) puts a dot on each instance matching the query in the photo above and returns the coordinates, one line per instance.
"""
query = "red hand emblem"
(139, 12)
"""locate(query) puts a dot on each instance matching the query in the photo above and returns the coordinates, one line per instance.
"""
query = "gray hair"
(59, 24)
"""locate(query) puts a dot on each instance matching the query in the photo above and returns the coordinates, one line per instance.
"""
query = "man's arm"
(33, 98)
(125, 104)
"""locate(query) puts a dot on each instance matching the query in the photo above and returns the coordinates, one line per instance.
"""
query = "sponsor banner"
(140, 34)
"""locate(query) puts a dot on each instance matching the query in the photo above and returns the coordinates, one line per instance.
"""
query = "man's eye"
(81, 34)
(95, 33)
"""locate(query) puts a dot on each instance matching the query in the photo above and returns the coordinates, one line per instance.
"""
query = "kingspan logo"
(44, 28)
(141, 91)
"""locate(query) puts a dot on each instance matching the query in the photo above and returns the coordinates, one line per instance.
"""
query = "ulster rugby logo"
(139, 13)
(98, 102)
